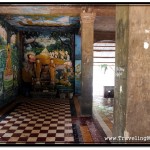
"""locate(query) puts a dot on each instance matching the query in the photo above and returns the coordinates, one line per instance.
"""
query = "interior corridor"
(48, 121)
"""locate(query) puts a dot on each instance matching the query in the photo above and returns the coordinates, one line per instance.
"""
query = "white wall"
(101, 79)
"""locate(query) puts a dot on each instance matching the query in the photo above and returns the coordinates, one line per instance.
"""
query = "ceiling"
(105, 23)
(28, 16)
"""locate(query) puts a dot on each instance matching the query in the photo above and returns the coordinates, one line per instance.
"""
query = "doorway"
(104, 82)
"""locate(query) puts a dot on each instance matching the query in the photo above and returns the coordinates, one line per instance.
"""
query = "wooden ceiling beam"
(103, 35)
(71, 10)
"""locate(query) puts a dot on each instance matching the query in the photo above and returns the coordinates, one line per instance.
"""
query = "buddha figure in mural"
(41, 59)
(8, 69)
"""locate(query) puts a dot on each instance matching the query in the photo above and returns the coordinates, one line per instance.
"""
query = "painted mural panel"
(77, 64)
(8, 71)
(77, 76)
(10, 76)
(45, 20)
(1, 87)
(8, 67)
(36, 42)
(15, 63)
(53, 53)
(78, 47)
(3, 42)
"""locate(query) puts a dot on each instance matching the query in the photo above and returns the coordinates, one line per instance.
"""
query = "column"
(20, 48)
(121, 59)
(132, 93)
(87, 38)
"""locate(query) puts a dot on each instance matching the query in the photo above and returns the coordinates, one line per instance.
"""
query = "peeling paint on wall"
(119, 71)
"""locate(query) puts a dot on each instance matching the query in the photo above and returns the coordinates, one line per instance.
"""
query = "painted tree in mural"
(30, 43)
(2, 57)
(57, 41)
(2, 42)
(63, 41)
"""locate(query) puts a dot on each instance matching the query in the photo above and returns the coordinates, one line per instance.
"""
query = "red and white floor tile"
(38, 121)
(48, 121)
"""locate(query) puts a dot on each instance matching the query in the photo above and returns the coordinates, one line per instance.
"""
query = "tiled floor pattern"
(86, 130)
(104, 107)
(43, 121)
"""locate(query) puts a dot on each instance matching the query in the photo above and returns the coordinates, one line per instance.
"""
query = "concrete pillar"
(121, 59)
(132, 101)
(87, 38)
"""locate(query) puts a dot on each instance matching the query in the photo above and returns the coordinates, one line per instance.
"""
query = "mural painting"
(1, 87)
(50, 59)
(78, 76)
(77, 64)
(46, 20)
(15, 63)
(8, 67)
(3, 42)
(77, 47)
(8, 72)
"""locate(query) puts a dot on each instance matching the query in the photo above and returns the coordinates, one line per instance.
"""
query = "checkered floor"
(38, 121)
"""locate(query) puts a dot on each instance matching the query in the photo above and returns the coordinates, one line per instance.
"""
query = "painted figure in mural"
(67, 56)
(8, 68)
(62, 54)
(43, 59)
(78, 71)
(39, 60)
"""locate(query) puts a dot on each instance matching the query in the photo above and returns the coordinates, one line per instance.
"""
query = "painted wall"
(56, 46)
(3, 43)
(77, 64)
(8, 68)
(100, 77)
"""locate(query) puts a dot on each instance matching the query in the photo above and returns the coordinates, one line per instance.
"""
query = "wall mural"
(8, 67)
(3, 42)
(15, 63)
(77, 47)
(11, 69)
(77, 64)
(45, 20)
(52, 60)
(8, 74)
(78, 76)
(8, 71)
(1, 87)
